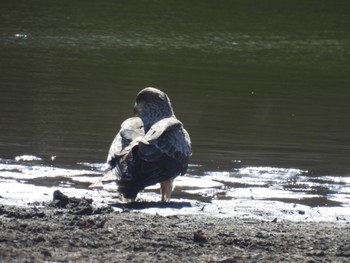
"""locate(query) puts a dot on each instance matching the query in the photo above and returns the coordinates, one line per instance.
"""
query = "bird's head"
(152, 105)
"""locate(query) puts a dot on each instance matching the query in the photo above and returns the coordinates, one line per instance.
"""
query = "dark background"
(263, 82)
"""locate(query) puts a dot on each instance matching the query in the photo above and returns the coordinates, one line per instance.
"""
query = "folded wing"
(168, 145)
(138, 160)
(131, 132)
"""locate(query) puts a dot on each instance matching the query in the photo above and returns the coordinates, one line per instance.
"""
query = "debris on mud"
(70, 229)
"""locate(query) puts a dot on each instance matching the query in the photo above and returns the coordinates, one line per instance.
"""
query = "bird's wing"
(131, 132)
(167, 144)
(163, 153)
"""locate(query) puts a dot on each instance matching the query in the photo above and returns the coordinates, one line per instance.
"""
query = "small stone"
(199, 237)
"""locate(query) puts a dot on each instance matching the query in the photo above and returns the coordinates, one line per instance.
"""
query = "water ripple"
(289, 185)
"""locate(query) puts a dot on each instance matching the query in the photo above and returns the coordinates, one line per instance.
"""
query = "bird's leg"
(166, 188)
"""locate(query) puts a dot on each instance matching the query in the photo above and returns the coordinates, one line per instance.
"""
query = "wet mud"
(69, 229)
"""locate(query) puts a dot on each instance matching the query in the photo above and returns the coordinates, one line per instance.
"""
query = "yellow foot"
(166, 188)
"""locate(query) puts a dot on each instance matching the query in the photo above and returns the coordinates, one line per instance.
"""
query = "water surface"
(262, 88)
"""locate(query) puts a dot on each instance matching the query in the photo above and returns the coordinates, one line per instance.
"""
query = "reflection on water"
(249, 183)
(263, 90)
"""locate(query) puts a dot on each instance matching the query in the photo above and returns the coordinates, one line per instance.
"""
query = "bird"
(151, 147)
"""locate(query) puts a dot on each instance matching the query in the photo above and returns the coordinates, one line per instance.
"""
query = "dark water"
(256, 83)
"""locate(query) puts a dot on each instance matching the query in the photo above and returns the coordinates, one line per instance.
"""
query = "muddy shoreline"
(70, 229)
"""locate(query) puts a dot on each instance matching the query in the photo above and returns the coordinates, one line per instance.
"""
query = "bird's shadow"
(144, 205)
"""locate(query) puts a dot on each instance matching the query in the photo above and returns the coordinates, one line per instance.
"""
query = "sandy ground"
(73, 230)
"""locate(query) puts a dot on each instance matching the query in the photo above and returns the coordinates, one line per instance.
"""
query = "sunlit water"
(288, 185)
(262, 88)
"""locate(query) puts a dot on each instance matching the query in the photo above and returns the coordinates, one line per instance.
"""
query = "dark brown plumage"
(152, 147)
